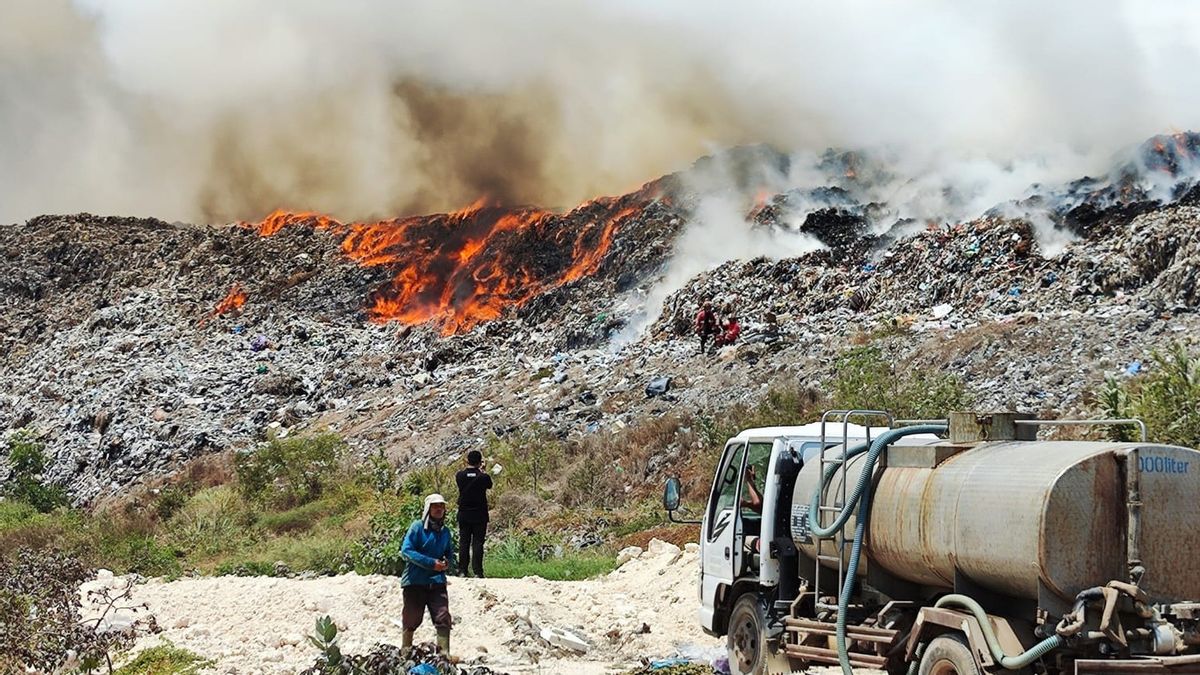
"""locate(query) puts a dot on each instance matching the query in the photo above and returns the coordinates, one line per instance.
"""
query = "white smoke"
(222, 109)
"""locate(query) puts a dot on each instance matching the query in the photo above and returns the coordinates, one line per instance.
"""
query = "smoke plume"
(217, 110)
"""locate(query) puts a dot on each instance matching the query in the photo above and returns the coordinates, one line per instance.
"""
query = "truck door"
(720, 528)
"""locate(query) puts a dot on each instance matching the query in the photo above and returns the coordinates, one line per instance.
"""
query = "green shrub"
(592, 482)
(377, 472)
(379, 551)
(126, 552)
(864, 379)
(424, 480)
(530, 457)
(245, 568)
(165, 659)
(213, 521)
(1166, 398)
(27, 463)
(170, 499)
(291, 471)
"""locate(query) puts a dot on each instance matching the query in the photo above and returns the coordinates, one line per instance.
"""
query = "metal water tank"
(1019, 517)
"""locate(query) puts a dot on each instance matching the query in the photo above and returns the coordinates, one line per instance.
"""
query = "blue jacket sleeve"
(409, 549)
(451, 562)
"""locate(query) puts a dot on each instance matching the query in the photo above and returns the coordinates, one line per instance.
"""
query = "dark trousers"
(470, 547)
(418, 598)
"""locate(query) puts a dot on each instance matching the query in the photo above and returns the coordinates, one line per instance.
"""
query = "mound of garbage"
(133, 345)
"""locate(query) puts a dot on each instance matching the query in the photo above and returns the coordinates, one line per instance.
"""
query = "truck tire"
(746, 642)
(948, 655)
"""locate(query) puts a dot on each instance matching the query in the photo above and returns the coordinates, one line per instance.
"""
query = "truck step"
(864, 633)
(830, 656)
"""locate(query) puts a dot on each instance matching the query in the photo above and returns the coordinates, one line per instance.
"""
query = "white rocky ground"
(647, 607)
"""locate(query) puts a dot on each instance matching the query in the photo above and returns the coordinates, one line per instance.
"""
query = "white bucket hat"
(432, 499)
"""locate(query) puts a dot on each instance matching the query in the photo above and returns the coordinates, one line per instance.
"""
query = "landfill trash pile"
(132, 345)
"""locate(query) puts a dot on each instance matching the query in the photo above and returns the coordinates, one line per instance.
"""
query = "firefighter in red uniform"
(706, 324)
(729, 333)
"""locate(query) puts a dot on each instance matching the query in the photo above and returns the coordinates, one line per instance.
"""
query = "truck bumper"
(1168, 665)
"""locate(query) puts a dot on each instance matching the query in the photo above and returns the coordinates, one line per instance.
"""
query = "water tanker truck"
(957, 546)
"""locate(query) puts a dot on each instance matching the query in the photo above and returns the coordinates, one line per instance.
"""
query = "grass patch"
(519, 556)
(323, 553)
(165, 659)
(1166, 398)
(300, 519)
(567, 568)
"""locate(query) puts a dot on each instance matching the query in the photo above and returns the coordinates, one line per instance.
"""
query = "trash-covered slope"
(130, 345)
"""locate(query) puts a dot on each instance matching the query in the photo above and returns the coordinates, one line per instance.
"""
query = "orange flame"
(469, 266)
(232, 301)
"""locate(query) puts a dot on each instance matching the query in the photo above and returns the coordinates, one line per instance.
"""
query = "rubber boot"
(443, 641)
(407, 640)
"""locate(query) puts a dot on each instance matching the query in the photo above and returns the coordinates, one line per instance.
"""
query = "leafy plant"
(165, 659)
(27, 462)
(1166, 398)
(291, 471)
(379, 551)
(529, 458)
(325, 639)
(39, 612)
(170, 500)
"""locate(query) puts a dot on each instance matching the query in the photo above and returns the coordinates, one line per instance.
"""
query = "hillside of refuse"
(133, 345)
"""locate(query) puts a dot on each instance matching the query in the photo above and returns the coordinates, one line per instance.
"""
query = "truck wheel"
(948, 655)
(746, 643)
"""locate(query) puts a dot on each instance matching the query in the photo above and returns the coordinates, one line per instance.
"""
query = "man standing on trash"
(706, 324)
(473, 484)
(428, 550)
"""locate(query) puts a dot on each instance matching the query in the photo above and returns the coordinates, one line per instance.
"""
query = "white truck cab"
(746, 528)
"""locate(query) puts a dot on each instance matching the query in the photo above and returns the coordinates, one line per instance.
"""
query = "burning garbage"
(462, 268)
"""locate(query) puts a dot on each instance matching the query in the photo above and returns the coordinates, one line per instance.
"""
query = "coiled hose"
(861, 499)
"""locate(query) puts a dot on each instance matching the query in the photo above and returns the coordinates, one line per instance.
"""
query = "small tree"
(27, 463)
(292, 471)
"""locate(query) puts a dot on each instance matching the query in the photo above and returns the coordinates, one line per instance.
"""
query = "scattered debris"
(658, 386)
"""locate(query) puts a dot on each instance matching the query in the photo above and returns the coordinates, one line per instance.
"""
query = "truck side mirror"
(671, 494)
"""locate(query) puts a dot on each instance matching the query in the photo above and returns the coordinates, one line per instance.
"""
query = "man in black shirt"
(473, 484)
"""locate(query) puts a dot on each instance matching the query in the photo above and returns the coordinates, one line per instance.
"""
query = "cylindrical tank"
(1012, 515)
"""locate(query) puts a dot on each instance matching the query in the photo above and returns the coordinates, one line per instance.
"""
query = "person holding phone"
(428, 551)
(473, 484)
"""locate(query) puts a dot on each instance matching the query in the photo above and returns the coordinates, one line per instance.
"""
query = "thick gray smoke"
(212, 110)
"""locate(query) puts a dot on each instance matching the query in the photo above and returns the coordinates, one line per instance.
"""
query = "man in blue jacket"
(428, 550)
